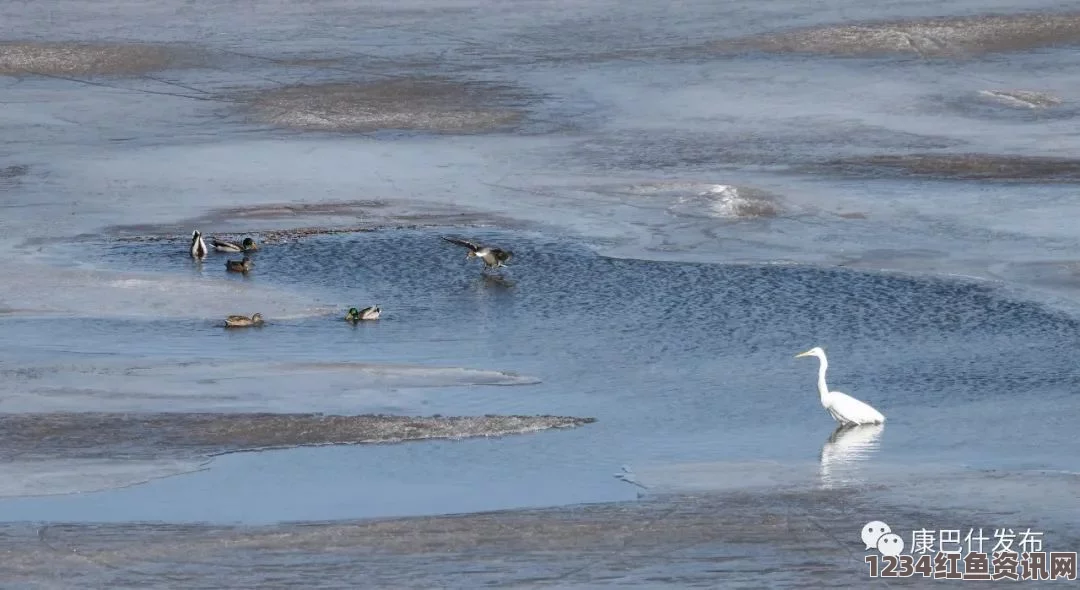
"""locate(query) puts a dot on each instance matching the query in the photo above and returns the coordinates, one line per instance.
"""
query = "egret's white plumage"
(841, 406)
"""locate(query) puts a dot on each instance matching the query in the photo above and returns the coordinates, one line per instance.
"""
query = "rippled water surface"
(678, 362)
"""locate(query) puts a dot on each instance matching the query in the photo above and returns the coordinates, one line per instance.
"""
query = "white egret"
(842, 407)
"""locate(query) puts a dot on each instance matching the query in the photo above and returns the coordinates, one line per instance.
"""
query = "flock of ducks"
(492, 257)
(843, 408)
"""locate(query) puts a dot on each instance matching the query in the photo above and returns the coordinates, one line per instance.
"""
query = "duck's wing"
(467, 244)
(238, 318)
(226, 245)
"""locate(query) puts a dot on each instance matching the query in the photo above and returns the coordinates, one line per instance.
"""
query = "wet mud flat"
(133, 436)
(799, 537)
(61, 454)
(420, 104)
(672, 541)
(36, 58)
(971, 166)
(314, 94)
(928, 37)
(282, 222)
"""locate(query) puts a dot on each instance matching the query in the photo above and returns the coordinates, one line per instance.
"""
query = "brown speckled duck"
(242, 321)
(239, 265)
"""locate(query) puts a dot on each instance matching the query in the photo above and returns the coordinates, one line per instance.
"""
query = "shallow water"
(679, 362)
(685, 218)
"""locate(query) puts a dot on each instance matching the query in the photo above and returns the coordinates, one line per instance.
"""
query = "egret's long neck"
(823, 389)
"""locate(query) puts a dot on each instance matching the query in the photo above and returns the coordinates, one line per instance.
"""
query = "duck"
(492, 257)
(198, 246)
(239, 265)
(242, 321)
(368, 313)
(248, 245)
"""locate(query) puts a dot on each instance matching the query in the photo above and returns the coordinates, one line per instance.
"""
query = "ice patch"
(716, 201)
(66, 453)
(227, 386)
(419, 376)
(720, 200)
(49, 289)
(1022, 98)
(74, 476)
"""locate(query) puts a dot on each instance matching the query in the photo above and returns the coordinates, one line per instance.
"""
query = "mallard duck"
(248, 245)
(239, 265)
(368, 313)
(198, 246)
(492, 257)
(242, 321)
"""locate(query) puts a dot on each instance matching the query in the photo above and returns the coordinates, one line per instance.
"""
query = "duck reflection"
(495, 281)
(845, 450)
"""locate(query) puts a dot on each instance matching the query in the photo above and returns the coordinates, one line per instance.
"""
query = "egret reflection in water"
(844, 451)
(627, 475)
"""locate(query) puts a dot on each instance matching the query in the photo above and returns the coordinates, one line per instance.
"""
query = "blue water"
(679, 363)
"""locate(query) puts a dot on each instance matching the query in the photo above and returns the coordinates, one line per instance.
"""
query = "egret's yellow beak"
(802, 354)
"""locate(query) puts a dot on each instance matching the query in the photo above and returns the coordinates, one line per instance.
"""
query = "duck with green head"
(248, 245)
(368, 313)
